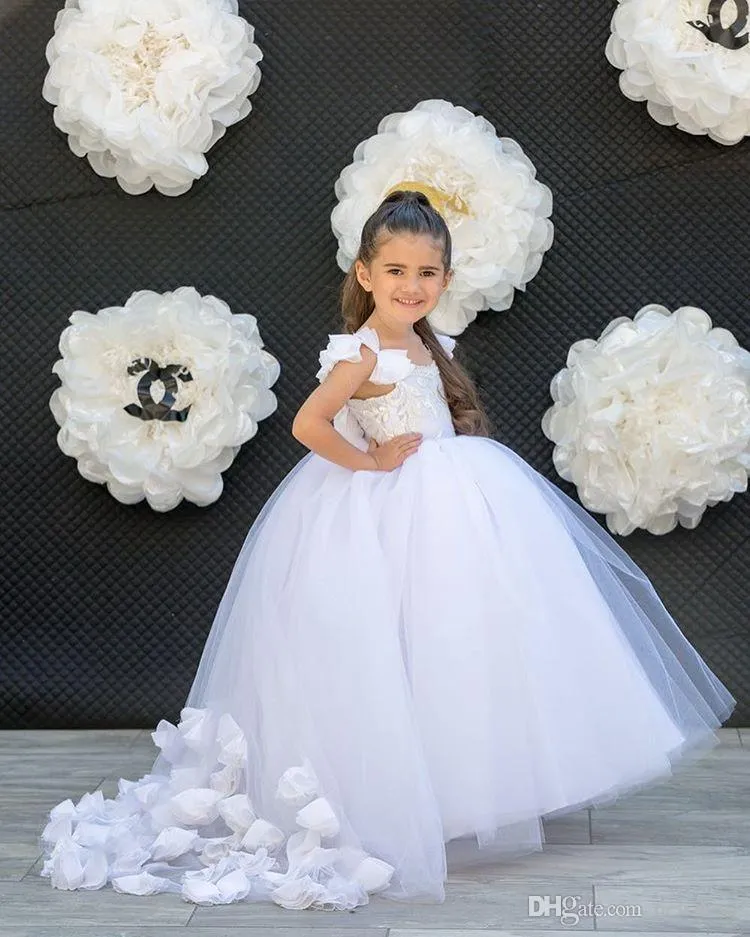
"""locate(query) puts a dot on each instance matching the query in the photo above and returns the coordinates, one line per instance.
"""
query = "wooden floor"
(674, 857)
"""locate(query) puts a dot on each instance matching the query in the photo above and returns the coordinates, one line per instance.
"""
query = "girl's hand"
(394, 452)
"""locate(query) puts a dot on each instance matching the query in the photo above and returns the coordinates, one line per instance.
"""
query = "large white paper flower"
(689, 59)
(144, 88)
(485, 187)
(652, 421)
(158, 395)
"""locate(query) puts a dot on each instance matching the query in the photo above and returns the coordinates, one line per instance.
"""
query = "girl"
(423, 649)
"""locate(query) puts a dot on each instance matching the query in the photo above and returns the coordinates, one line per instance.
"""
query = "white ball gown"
(405, 667)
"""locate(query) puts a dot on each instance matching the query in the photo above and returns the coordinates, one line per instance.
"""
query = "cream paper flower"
(689, 60)
(158, 395)
(144, 88)
(485, 187)
(652, 421)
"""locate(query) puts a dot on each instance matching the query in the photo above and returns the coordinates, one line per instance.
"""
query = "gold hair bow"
(438, 199)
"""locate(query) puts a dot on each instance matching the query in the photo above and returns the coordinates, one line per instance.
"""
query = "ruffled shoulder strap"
(346, 347)
(343, 347)
(447, 342)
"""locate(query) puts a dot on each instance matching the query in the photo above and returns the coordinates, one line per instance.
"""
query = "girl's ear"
(363, 275)
(447, 279)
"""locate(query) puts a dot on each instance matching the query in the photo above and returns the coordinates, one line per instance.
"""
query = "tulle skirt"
(405, 667)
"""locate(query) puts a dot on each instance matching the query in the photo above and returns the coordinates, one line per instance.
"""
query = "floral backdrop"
(643, 213)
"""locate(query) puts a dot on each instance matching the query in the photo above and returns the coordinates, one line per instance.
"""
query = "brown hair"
(412, 212)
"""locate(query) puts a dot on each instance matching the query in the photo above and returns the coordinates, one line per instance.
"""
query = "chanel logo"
(727, 36)
(149, 408)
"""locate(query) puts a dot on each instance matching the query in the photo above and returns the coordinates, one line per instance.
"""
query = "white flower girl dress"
(405, 666)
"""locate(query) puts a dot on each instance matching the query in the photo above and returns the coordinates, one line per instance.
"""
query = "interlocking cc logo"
(149, 408)
(727, 36)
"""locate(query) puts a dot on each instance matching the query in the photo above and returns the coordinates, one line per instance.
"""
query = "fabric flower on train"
(689, 60)
(651, 422)
(144, 88)
(298, 784)
(484, 186)
(158, 395)
(149, 827)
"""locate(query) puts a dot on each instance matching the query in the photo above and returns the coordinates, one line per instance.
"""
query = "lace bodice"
(416, 403)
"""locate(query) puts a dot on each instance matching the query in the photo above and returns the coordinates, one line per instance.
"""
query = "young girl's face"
(406, 276)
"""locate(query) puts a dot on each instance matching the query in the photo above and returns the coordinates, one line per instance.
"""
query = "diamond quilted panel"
(105, 608)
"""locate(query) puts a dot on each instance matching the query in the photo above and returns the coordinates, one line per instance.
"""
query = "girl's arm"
(312, 425)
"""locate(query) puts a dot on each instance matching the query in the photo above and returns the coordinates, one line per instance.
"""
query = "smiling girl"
(424, 648)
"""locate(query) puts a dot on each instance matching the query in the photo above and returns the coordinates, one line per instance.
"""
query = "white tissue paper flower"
(144, 88)
(652, 421)
(482, 184)
(689, 60)
(158, 395)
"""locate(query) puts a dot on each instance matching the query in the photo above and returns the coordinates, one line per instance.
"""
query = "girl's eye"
(427, 273)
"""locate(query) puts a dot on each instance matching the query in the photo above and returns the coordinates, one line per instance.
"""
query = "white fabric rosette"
(299, 784)
(145, 840)
(196, 806)
(144, 88)
(373, 874)
(651, 422)
(319, 817)
(237, 812)
(262, 834)
(158, 395)
(142, 883)
(172, 842)
(484, 186)
(689, 60)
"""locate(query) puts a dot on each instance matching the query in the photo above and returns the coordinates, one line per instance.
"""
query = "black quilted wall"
(105, 607)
